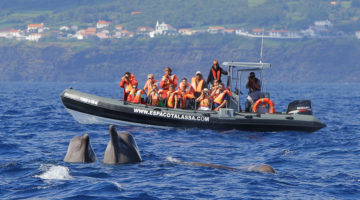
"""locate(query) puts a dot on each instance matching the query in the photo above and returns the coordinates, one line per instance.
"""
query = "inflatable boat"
(92, 109)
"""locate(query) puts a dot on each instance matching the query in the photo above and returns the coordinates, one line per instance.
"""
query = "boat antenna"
(262, 46)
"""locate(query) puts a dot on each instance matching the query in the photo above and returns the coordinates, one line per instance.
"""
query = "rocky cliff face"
(305, 61)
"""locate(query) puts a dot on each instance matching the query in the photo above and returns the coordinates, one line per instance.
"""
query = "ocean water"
(35, 131)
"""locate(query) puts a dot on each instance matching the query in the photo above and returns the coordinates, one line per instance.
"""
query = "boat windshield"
(236, 69)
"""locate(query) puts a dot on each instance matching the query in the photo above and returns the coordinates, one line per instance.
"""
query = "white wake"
(54, 172)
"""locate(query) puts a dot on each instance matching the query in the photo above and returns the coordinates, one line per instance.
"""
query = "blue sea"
(35, 130)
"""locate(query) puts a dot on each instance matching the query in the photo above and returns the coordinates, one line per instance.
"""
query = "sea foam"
(55, 172)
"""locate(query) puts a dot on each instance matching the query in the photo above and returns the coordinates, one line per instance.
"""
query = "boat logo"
(172, 115)
(83, 99)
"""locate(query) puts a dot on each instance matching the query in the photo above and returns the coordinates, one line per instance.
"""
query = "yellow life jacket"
(220, 98)
(197, 85)
(137, 98)
(205, 102)
(171, 99)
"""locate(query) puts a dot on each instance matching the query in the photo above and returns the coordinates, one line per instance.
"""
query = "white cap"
(198, 72)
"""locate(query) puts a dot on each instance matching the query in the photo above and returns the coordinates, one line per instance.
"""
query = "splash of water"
(55, 172)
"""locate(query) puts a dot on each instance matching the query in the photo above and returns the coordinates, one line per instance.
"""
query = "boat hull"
(92, 109)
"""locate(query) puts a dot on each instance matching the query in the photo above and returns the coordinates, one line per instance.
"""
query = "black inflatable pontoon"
(92, 109)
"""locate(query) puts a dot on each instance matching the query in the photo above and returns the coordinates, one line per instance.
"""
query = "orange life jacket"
(155, 97)
(197, 85)
(216, 74)
(149, 86)
(183, 98)
(128, 85)
(137, 98)
(188, 88)
(171, 98)
(131, 96)
(166, 82)
(205, 102)
(220, 98)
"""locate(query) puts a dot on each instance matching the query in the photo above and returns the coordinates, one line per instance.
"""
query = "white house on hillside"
(163, 29)
(102, 24)
(35, 37)
(357, 34)
(216, 29)
(186, 31)
(35, 28)
(10, 33)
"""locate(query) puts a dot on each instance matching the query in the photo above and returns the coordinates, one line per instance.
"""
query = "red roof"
(229, 30)
(103, 22)
(136, 12)
(36, 25)
(258, 30)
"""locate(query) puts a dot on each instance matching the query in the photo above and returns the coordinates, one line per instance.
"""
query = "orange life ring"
(264, 101)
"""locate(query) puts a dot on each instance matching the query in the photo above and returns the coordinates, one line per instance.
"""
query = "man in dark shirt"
(215, 73)
(254, 86)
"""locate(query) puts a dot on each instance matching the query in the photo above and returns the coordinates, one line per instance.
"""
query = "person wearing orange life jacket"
(154, 96)
(172, 97)
(215, 73)
(127, 82)
(135, 95)
(198, 84)
(150, 83)
(185, 94)
(205, 100)
(168, 79)
(214, 87)
(222, 98)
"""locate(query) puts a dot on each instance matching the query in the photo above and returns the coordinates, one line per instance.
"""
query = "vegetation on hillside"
(278, 14)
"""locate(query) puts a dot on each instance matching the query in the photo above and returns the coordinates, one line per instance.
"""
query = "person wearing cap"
(127, 82)
(197, 82)
(168, 79)
(215, 73)
(254, 86)
(204, 100)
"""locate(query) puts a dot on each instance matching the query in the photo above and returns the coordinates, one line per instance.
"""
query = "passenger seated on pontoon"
(205, 100)
(172, 97)
(254, 86)
(222, 96)
(149, 84)
(198, 84)
(168, 79)
(214, 87)
(153, 96)
(185, 94)
(135, 95)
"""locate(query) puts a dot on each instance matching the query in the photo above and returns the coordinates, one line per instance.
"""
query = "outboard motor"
(302, 107)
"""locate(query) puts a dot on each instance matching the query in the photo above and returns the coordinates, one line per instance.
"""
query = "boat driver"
(254, 86)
